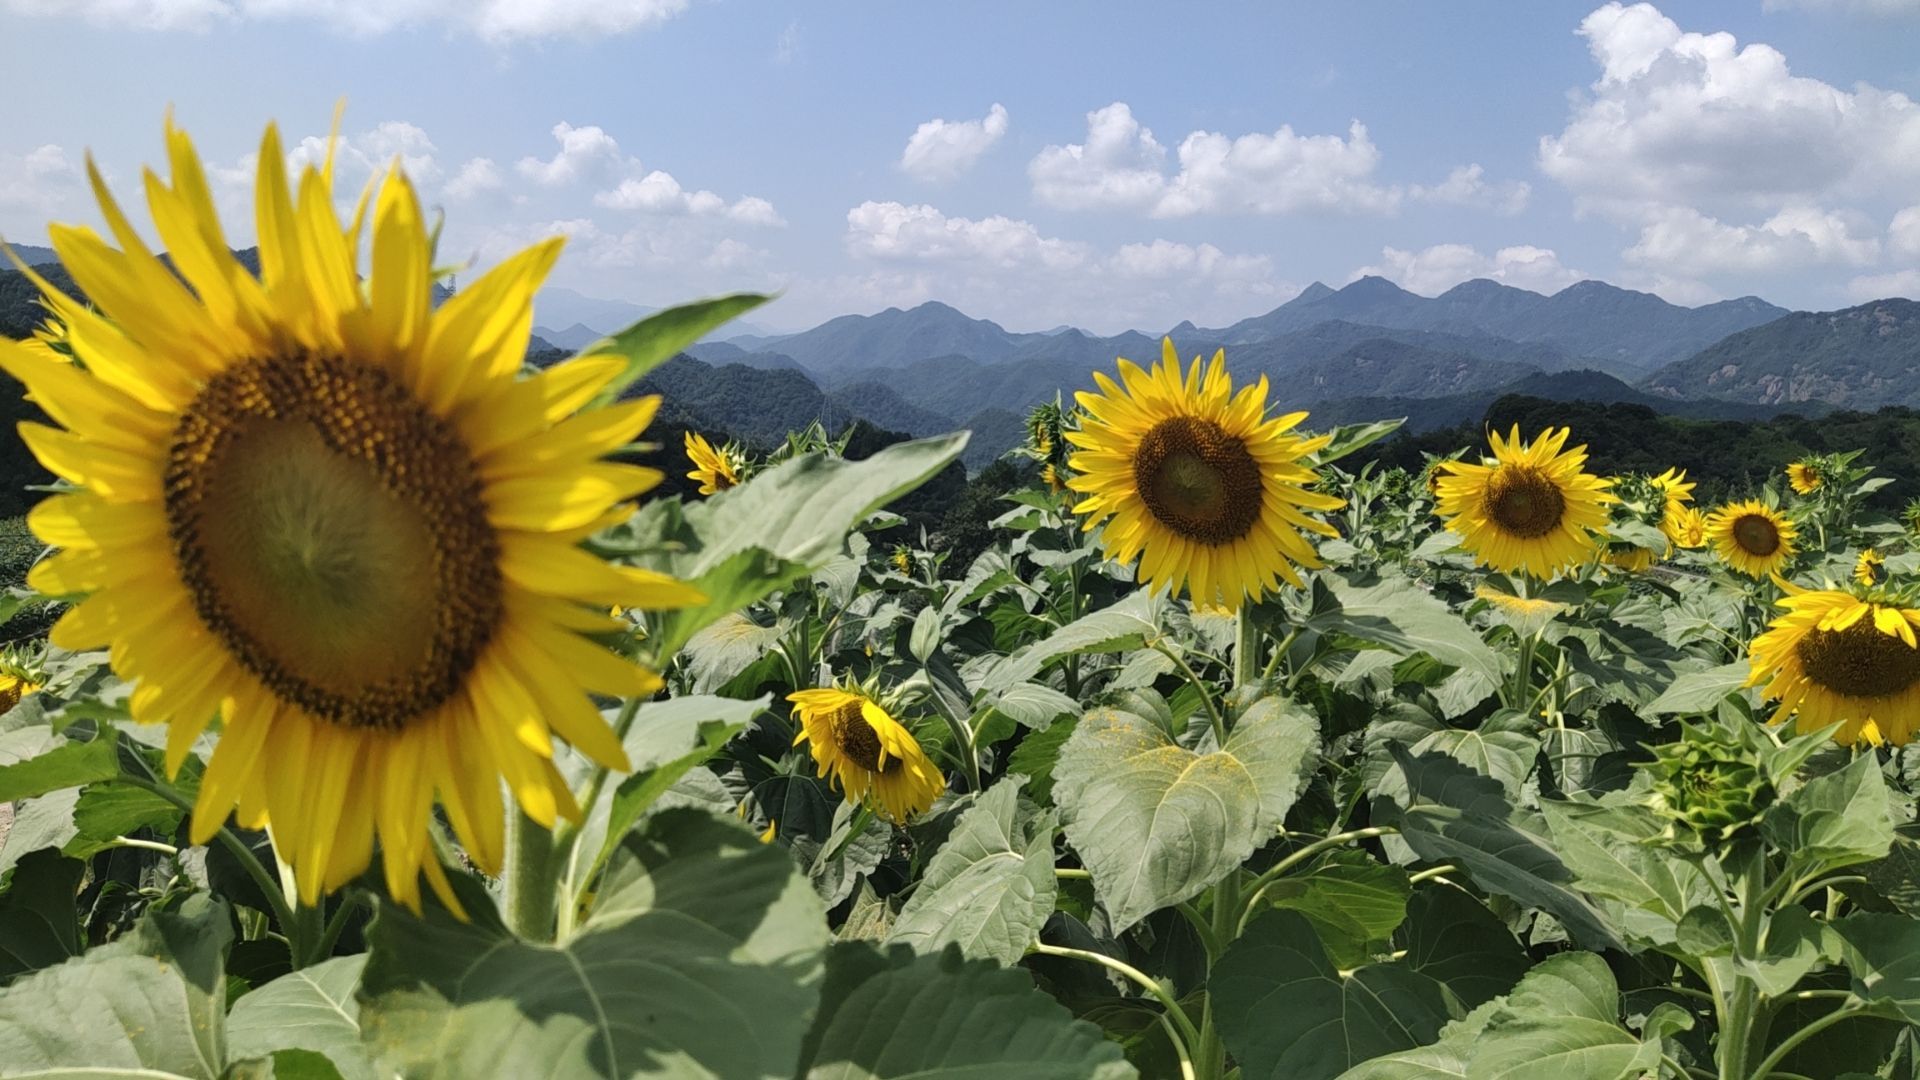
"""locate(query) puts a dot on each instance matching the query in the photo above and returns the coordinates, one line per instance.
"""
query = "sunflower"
(1052, 476)
(1676, 492)
(333, 516)
(902, 558)
(1629, 558)
(1870, 569)
(1533, 509)
(1687, 527)
(13, 687)
(1804, 476)
(1192, 479)
(873, 758)
(1835, 658)
(1753, 538)
(714, 469)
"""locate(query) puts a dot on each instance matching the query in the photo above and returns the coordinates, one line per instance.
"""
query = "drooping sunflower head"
(1752, 537)
(1628, 557)
(1836, 658)
(1533, 508)
(1192, 479)
(715, 470)
(1870, 568)
(872, 758)
(334, 517)
(1805, 476)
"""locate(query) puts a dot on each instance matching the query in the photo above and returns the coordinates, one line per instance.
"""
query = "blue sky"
(1146, 163)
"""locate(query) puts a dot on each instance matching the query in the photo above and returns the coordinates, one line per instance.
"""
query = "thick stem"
(1246, 646)
(1773, 1060)
(529, 885)
(1137, 977)
(1274, 872)
(1206, 695)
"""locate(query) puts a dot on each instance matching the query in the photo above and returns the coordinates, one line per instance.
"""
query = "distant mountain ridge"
(1860, 357)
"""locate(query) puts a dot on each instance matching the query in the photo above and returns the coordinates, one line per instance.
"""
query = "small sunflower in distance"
(1870, 568)
(335, 517)
(1751, 537)
(1689, 528)
(873, 758)
(1804, 476)
(715, 470)
(1193, 480)
(1677, 492)
(1835, 658)
(1534, 509)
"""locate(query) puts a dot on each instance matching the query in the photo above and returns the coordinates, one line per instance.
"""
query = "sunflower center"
(1198, 480)
(858, 741)
(1756, 535)
(332, 534)
(1859, 661)
(1524, 502)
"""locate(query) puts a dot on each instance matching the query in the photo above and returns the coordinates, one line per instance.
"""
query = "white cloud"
(1007, 269)
(943, 149)
(1682, 118)
(1903, 235)
(1433, 270)
(492, 20)
(659, 193)
(477, 176)
(787, 49)
(367, 153)
(1881, 8)
(1468, 186)
(584, 152)
(1684, 241)
(42, 183)
(1880, 286)
(1122, 166)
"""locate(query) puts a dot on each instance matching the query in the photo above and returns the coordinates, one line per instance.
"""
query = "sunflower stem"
(529, 885)
(1206, 695)
(1246, 646)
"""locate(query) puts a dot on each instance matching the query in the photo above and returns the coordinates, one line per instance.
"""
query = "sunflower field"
(389, 728)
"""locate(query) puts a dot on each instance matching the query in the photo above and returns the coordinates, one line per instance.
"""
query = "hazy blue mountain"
(892, 339)
(557, 306)
(1861, 357)
(1595, 387)
(573, 338)
(1589, 319)
(31, 255)
(1383, 367)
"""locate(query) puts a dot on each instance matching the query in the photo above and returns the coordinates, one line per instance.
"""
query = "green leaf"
(1038, 754)
(1606, 848)
(39, 926)
(655, 339)
(66, 765)
(900, 1014)
(106, 811)
(1834, 820)
(1562, 1022)
(749, 541)
(1440, 1061)
(1400, 616)
(1156, 823)
(1033, 705)
(1458, 816)
(991, 886)
(154, 999)
(1897, 877)
(1352, 901)
(727, 647)
(1882, 952)
(312, 1009)
(1348, 438)
(1453, 939)
(1796, 944)
(1699, 691)
(1286, 1012)
(1121, 627)
(701, 958)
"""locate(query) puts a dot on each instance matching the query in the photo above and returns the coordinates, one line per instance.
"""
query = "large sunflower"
(1751, 537)
(1835, 658)
(1533, 509)
(1195, 481)
(713, 469)
(872, 757)
(333, 517)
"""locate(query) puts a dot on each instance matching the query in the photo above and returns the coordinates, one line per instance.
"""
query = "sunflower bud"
(1708, 784)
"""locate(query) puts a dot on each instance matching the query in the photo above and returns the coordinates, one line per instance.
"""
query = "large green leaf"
(749, 541)
(1122, 627)
(39, 924)
(1606, 846)
(66, 765)
(702, 958)
(1700, 691)
(1457, 815)
(1562, 1022)
(1400, 616)
(312, 1009)
(154, 999)
(1353, 902)
(653, 340)
(1287, 1012)
(991, 886)
(1453, 939)
(1834, 820)
(1882, 952)
(1156, 823)
(901, 1014)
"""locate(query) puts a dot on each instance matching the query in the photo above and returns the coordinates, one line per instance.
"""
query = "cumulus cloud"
(1009, 269)
(1685, 241)
(584, 152)
(943, 149)
(1903, 235)
(368, 153)
(1433, 270)
(1904, 283)
(589, 153)
(659, 193)
(1122, 166)
(41, 183)
(1683, 117)
(493, 20)
(1468, 186)
(477, 176)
